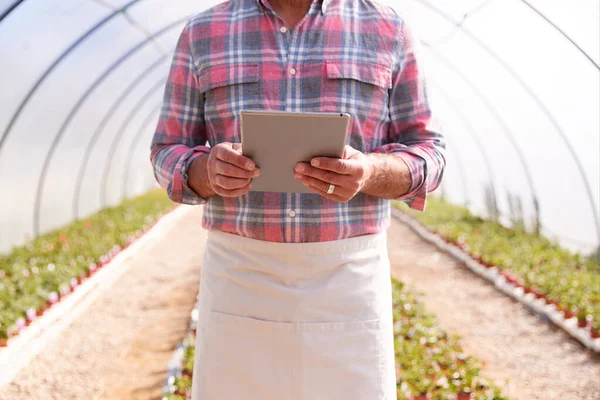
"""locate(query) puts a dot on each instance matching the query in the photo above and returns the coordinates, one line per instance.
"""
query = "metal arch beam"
(54, 64)
(143, 126)
(10, 9)
(563, 33)
(539, 103)
(75, 109)
(119, 135)
(510, 135)
(473, 131)
(107, 117)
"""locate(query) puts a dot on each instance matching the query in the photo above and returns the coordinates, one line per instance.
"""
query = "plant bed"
(43, 272)
(539, 266)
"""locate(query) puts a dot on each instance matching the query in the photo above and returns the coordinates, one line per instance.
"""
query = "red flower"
(63, 239)
(87, 225)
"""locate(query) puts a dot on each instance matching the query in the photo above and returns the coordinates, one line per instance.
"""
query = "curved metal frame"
(10, 9)
(100, 128)
(142, 128)
(563, 33)
(495, 56)
(473, 131)
(75, 109)
(509, 133)
(54, 64)
(119, 135)
(539, 103)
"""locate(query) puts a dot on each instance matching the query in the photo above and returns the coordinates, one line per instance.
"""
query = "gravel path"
(121, 346)
(529, 358)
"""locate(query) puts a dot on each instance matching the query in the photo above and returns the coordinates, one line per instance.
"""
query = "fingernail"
(300, 168)
(297, 176)
(315, 163)
(249, 165)
(256, 173)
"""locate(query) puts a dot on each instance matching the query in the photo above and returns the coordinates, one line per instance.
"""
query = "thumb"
(237, 147)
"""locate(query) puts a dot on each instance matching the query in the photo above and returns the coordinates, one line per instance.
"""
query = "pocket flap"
(374, 74)
(227, 74)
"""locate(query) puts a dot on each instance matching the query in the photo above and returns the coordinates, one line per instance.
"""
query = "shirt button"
(293, 71)
(283, 29)
(292, 214)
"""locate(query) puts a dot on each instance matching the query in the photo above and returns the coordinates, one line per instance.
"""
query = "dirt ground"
(529, 358)
(120, 348)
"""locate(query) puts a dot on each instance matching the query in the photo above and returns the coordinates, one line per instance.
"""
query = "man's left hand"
(349, 174)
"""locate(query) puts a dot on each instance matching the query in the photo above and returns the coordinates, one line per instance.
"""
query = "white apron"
(283, 321)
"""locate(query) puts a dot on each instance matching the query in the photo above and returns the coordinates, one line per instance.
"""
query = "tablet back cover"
(277, 141)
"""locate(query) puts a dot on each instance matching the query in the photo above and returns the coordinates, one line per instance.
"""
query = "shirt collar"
(324, 4)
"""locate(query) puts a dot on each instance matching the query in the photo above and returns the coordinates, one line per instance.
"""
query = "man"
(295, 288)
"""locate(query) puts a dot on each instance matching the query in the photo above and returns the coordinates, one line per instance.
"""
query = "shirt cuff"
(180, 177)
(417, 195)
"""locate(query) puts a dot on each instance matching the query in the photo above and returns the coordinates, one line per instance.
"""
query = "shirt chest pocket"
(361, 89)
(228, 89)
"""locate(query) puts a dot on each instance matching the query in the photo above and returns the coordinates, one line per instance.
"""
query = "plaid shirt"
(349, 56)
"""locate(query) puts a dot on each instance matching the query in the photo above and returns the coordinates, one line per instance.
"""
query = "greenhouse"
(495, 285)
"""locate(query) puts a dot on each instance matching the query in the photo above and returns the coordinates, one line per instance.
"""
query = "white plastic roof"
(515, 85)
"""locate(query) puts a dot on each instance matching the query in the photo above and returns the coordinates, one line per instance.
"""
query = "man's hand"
(225, 172)
(349, 174)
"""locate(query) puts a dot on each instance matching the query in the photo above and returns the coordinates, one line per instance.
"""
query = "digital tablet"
(277, 141)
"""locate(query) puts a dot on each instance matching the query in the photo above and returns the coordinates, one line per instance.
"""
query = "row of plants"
(37, 275)
(182, 385)
(430, 364)
(539, 265)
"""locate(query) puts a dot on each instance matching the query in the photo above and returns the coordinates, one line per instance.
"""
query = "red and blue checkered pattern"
(351, 56)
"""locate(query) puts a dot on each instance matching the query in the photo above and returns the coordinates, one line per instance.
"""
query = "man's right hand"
(224, 172)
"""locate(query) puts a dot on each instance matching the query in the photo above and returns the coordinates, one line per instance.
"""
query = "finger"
(323, 175)
(333, 196)
(228, 183)
(322, 186)
(230, 156)
(237, 147)
(236, 192)
(349, 152)
(226, 169)
(343, 167)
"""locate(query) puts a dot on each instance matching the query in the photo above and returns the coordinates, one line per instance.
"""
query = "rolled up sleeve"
(180, 135)
(410, 135)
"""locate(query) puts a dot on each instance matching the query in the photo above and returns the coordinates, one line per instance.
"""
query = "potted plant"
(3, 336)
(570, 307)
(183, 385)
(510, 278)
(41, 309)
(420, 385)
(595, 329)
(188, 362)
(582, 316)
(31, 315)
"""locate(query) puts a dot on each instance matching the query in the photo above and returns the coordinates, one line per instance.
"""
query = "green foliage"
(174, 396)
(428, 360)
(51, 263)
(188, 360)
(183, 384)
(570, 280)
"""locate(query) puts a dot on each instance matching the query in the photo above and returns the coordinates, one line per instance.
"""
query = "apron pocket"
(341, 360)
(247, 358)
